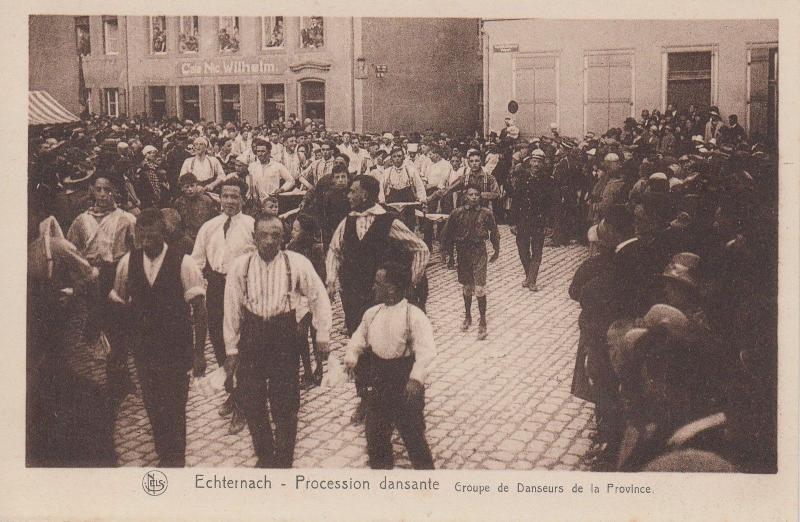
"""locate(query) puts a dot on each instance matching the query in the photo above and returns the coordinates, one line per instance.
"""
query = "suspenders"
(409, 338)
(287, 297)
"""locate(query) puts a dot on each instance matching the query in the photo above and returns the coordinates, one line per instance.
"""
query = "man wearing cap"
(567, 178)
(387, 142)
(207, 169)
(219, 242)
(532, 200)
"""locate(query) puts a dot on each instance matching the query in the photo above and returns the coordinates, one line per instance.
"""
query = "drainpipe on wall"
(352, 53)
(486, 54)
(128, 93)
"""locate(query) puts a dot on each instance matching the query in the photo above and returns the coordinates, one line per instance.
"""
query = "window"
(608, 93)
(82, 38)
(188, 37)
(158, 34)
(689, 79)
(271, 32)
(190, 102)
(110, 35)
(312, 32)
(158, 102)
(312, 97)
(228, 34)
(112, 102)
(535, 90)
(230, 102)
(274, 102)
(87, 100)
(762, 92)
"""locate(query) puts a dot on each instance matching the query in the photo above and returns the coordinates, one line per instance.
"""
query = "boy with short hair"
(468, 227)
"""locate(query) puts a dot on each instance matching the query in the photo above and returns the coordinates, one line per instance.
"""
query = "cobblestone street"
(503, 403)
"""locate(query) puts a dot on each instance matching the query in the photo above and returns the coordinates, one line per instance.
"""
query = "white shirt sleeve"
(191, 278)
(199, 250)
(424, 345)
(358, 342)
(334, 258)
(119, 293)
(313, 289)
(232, 310)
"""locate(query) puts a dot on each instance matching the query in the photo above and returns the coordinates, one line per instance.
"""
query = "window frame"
(107, 20)
(237, 25)
(179, 98)
(150, 24)
(607, 52)
(151, 98)
(263, 99)
(301, 102)
(265, 34)
(666, 50)
(303, 21)
(194, 27)
(107, 100)
(87, 27)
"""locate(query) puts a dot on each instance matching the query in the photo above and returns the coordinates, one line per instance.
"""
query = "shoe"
(525, 283)
(308, 382)
(238, 422)
(533, 287)
(466, 324)
(227, 407)
(318, 376)
(451, 264)
(482, 334)
(360, 414)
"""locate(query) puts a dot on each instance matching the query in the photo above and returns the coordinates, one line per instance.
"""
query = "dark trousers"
(215, 304)
(566, 227)
(165, 392)
(354, 305)
(608, 405)
(268, 387)
(108, 317)
(305, 329)
(530, 242)
(388, 408)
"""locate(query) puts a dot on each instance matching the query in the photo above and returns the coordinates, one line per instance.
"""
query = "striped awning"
(43, 109)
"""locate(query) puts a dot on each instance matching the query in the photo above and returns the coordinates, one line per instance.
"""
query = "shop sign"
(506, 48)
(226, 67)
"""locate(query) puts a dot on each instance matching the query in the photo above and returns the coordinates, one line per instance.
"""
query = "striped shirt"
(398, 232)
(218, 250)
(265, 292)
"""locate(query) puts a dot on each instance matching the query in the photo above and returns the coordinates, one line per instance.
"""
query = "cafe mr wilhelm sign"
(227, 67)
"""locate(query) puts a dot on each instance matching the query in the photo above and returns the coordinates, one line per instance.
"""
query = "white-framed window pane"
(228, 33)
(158, 34)
(272, 32)
(82, 37)
(188, 37)
(111, 35)
(112, 102)
(312, 32)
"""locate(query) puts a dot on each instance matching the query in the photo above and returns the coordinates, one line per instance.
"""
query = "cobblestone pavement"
(502, 403)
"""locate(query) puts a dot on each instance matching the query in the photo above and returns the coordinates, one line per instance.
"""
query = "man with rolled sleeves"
(159, 285)
(262, 339)
(368, 236)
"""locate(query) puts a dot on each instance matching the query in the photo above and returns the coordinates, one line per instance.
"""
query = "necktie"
(226, 226)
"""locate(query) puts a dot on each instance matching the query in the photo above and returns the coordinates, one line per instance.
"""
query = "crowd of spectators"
(678, 322)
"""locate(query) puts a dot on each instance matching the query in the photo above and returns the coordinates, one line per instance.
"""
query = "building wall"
(433, 78)
(53, 59)
(570, 40)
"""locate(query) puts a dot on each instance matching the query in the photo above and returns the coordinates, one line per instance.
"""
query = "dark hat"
(684, 268)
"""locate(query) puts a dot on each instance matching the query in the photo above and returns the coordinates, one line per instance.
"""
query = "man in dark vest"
(366, 238)
(159, 285)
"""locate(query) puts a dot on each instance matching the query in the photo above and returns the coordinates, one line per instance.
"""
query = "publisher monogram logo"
(154, 483)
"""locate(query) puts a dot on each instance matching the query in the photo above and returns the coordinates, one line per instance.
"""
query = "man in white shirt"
(276, 153)
(398, 339)
(358, 157)
(264, 293)
(207, 169)
(420, 162)
(219, 242)
(268, 177)
(403, 184)
(320, 167)
(345, 147)
(292, 159)
(158, 285)
(367, 237)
